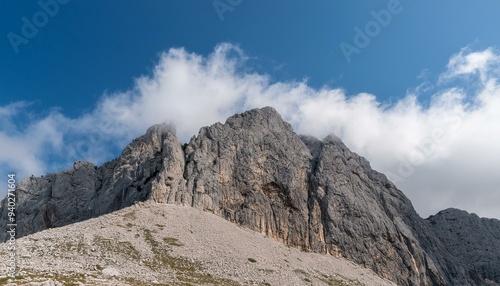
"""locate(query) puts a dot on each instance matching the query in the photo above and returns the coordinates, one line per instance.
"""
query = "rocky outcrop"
(87, 191)
(253, 170)
(474, 241)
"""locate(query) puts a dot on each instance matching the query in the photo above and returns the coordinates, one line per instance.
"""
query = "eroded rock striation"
(253, 170)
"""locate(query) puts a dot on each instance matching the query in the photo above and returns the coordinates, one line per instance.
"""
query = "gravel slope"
(159, 244)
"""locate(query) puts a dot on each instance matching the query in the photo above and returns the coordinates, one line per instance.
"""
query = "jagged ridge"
(255, 171)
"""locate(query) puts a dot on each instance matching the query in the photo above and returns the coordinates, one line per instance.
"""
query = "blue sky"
(103, 45)
(84, 59)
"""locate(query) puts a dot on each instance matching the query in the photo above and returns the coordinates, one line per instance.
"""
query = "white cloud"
(466, 63)
(443, 155)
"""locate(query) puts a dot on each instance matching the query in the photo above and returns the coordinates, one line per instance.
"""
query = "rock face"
(364, 217)
(253, 170)
(87, 191)
(474, 241)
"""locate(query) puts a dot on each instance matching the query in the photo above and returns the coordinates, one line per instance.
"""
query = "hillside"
(159, 244)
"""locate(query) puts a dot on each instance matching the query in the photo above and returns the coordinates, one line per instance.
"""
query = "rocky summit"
(253, 170)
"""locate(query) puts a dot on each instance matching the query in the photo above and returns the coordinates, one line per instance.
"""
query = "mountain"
(474, 241)
(253, 170)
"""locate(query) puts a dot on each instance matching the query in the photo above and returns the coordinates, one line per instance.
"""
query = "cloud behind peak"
(441, 155)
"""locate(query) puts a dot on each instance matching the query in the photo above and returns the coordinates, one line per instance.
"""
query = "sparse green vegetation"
(172, 241)
(70, 279)
(5, 280)
(302, 272)
(150, 240)
(121, 247)
(68, 246)
(130, 215)
(252, 260)
(337, 280)
(305, 275)
(135, 282)
(188, 272)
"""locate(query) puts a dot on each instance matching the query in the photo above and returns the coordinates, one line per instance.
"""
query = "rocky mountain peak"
(332, 138)
(157, 133)
(474, 241)
(267, 115)
(82, 165)
(253, 170)
(452, 214)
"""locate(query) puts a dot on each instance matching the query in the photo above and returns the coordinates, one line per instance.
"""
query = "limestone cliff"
(253, 170)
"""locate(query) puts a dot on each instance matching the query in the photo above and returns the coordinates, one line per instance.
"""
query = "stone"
(253, 170)
(474, 241)
(111, 271)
